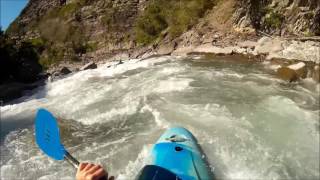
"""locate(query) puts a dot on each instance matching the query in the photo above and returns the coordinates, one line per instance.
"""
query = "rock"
(248, 44)
(120, 56)
(207, 38)
(245, 30)
(90, 65)
(65, 71)
(267, 45)
(315, 27)
(56, 74)
(293, 72)
(216, 36)
(300, 69)
(316, 73)
(214, 49)
(241, 50)
(166, 49)
(139, 52)
(148, 55)
(303, 51)
(189, 38)
(287, 74)
(183, 51)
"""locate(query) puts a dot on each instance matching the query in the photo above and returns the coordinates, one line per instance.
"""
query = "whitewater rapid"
(250, 124)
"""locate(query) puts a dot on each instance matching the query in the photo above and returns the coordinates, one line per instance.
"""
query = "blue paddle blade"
(48, 136)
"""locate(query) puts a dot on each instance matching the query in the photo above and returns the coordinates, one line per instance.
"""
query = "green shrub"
(91, 46)
(54, 30)
(77, 39)
(150, 25)
(177, 16)
(68, 9)
(114, 18)
(308, 33)
(274, 20)
(108, 19)
(38, 43)
(45, 62)
(52, 55)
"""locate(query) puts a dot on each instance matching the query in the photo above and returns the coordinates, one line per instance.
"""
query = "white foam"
(161, 122)
(134, 167)
(297, 66)
(102, 117)
(172, 84)
(171, 70)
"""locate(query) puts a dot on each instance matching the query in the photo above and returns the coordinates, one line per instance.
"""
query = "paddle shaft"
(73, 161)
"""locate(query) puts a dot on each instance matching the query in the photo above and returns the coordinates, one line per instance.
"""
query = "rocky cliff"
(283, 17)
(78, 30)
(69, 29)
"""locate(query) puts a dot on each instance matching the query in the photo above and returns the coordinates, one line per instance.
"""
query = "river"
(250, 124)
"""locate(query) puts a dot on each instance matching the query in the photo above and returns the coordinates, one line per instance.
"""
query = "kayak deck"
(177, 152)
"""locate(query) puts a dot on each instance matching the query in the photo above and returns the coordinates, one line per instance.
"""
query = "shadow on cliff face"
(19, 67)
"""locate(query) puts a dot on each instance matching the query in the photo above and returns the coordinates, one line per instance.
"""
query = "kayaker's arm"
(87, 171)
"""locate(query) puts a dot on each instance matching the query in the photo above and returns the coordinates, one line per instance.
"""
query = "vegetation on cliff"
(58, 38)
(68, 30)
(176, 16)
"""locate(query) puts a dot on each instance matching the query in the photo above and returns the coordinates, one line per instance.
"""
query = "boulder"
(268, 45)
(139, 52)
(120, 56)
(287, 74)
(248, 44)
(303, 51)
(64, 71)
(90, 65)
(206, 48)
(166, 49)
(55, 74)
(300, 68)
(316, 73)
(183, 51)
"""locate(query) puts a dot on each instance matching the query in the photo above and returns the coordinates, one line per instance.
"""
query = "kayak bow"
(177, 155)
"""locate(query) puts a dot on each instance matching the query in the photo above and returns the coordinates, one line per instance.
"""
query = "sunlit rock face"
(101, 24)
(109, 25)
(280, 17)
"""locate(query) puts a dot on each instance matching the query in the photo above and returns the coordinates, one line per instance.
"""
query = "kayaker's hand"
(87, 171)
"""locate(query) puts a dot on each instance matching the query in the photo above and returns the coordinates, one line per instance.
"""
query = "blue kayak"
(176, 155)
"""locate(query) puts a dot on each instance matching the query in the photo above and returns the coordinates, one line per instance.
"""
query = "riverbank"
(290, 59)
(299, 57)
